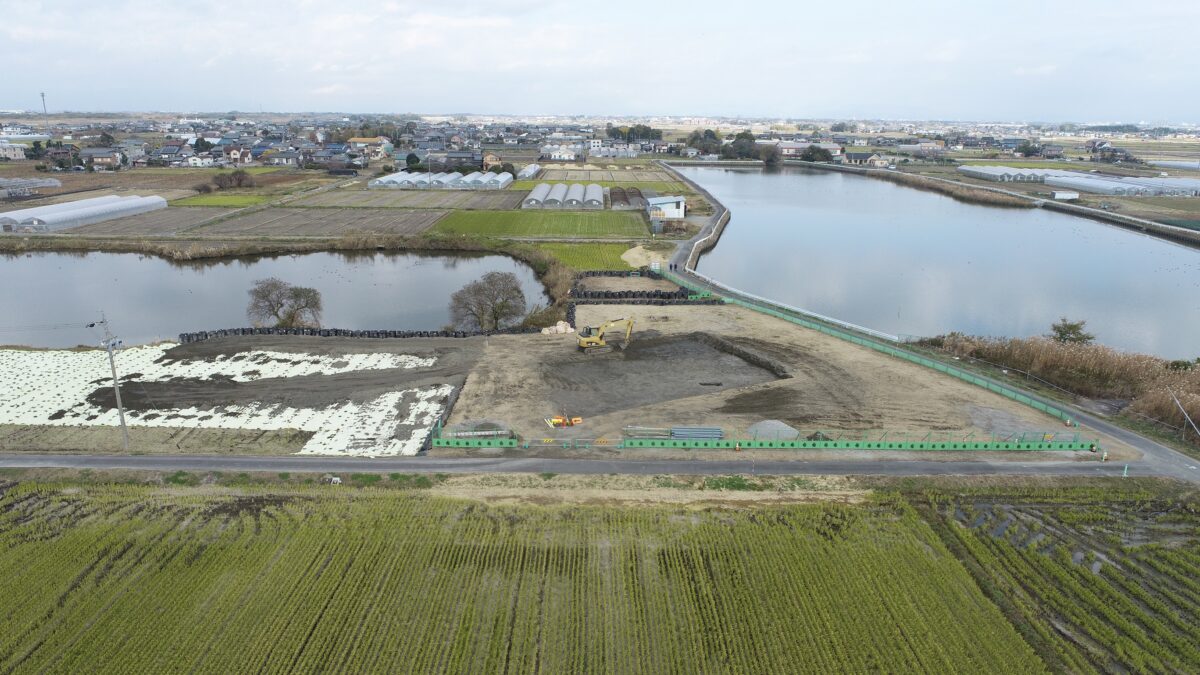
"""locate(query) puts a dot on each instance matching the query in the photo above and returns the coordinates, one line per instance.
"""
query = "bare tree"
(491, 302)
(288, 306)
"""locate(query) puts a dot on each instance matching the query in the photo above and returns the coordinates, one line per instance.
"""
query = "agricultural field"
(582, 224)
(620, 176)
(588, 256)
(157, 179)
(414, 199)
(660, 186)
(1097, 580)
(347, 403)
(226, 200)
(274, 222)
(165, 222)
(183, 577)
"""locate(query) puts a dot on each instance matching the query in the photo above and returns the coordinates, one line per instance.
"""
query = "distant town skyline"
(1018, 61)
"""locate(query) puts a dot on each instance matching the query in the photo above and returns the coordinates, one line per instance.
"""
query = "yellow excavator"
(601, 339)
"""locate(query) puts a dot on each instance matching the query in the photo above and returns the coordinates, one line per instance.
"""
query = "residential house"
(690, 153)
(11, 151)
(283, 158)
(490, 159)
(377, 147)
(133, 148)
(201, 161)
(64, 153)
(1052, 151)
(561, 153)
(793, 149)
(101, 158)
(237, 154)
(462, 158)
(868, 159)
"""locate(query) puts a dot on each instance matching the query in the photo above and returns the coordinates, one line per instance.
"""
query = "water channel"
(912, 262)
(47, 298)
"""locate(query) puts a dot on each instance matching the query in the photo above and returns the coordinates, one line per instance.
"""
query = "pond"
(912, 262)
(49, 297)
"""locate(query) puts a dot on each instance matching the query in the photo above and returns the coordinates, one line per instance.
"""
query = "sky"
(1017, 60)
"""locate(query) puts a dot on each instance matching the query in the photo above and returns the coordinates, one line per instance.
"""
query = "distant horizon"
(526, 116)
(922, 59)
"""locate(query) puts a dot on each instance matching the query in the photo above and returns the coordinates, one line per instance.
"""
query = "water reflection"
(912, 262)
(149, 298)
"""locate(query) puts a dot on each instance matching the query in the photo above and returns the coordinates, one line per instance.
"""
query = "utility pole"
(45, 115)
(1185, 413)
(110, 344)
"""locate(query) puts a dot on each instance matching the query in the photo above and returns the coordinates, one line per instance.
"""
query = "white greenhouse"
(574, 198)
(62, 219)
(529, 171)
(536, 196)
(498, 181)
(593, 196)
(558, 193)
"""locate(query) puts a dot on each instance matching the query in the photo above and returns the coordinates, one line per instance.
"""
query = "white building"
(666, 208)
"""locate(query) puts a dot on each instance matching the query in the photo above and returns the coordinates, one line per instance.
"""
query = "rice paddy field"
(168, 578)
(588, 256)
(621, 176)
(394, 574)
(323, 222)
(414, 199)
(165, 222)
(225, 200)
(598, 224)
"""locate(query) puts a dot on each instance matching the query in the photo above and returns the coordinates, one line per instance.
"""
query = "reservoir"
(911, 262)
(49, 297)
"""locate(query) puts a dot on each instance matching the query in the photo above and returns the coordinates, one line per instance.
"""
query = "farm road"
(839, 467)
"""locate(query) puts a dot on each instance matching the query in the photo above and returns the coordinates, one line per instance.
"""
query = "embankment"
(965, 193)
(710, 234)
(979, 194)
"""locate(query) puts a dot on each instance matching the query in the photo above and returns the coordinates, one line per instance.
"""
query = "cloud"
(632, 57)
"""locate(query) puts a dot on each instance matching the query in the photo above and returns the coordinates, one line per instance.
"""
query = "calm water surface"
(911, 262)
(148, 298)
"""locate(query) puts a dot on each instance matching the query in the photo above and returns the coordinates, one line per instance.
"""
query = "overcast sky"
(1038, 60)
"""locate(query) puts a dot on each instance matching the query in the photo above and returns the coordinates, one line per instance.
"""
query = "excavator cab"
(597, 340)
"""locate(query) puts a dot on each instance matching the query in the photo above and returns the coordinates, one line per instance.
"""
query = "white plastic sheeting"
(529, 171)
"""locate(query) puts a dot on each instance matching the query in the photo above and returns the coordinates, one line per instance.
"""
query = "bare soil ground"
(151, 440)
(626, 284)
(153, 181)
(416, 199)
(167, 222)
(323, 222)
(832, 386)
(643, 490)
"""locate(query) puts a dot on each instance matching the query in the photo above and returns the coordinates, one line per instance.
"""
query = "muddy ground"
(665, 379)
(455, 358)
(626, 284)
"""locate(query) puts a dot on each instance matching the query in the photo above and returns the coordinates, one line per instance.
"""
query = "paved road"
(1086, 465)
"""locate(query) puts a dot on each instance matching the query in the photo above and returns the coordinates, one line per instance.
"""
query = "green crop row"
(343, 579)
